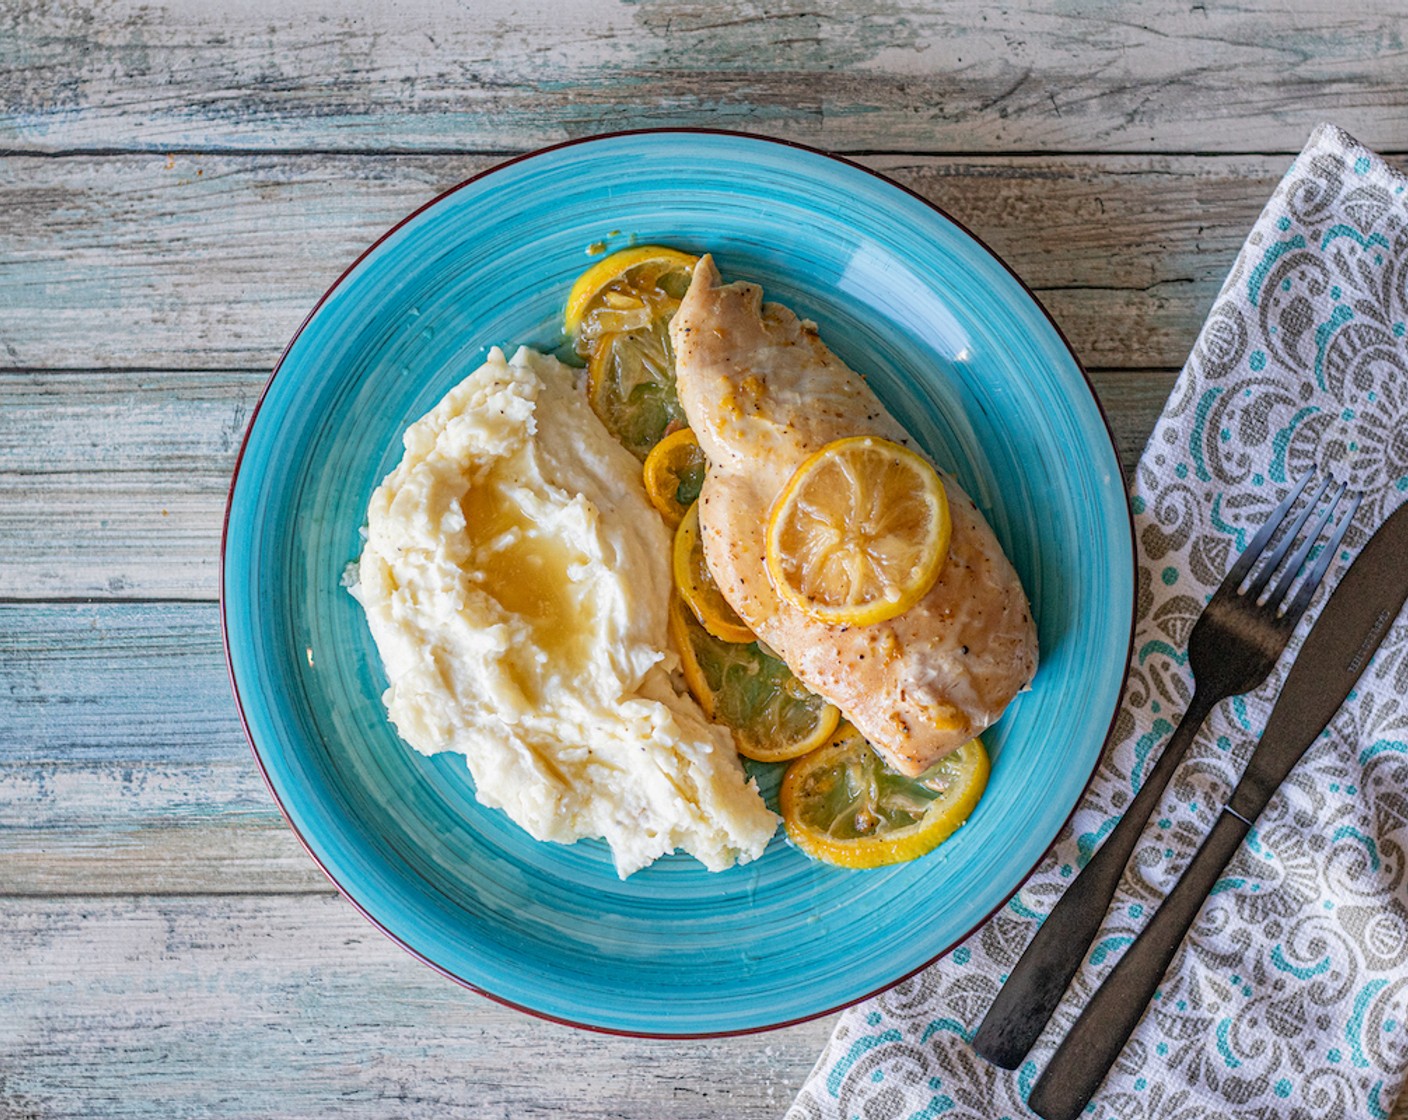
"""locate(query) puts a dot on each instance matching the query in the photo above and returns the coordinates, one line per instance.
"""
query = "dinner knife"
(1336, 652)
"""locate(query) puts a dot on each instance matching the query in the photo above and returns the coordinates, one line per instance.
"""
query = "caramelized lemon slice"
(627, 280)
(618, 316)
(843, 805)
(859, 533)
(697, 587)
(770, 712)
(674, 473)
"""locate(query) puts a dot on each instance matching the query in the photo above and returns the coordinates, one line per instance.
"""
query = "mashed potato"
(517, 585)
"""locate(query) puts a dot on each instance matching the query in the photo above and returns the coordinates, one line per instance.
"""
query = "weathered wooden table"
(179, 182)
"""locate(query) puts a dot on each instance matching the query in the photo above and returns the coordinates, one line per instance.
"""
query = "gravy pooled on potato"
(517, 584)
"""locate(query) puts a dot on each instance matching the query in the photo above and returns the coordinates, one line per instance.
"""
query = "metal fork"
(1237, 639)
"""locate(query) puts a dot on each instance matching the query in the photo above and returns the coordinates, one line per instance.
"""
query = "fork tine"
(1249, 555)
(1287, 540)
(1297, 606)
(1297, 561)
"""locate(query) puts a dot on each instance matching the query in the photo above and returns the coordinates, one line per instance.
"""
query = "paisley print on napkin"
(1289, 998)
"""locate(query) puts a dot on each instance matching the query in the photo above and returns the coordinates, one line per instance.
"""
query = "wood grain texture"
(115, 481)
(127, 499)
(169, 948)
(125, 768)
(899, 75)
(212, 262)
(295, 1006)
(144, 683)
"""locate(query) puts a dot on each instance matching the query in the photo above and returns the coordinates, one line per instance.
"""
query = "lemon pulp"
(859, 532)
(618, 316)
(842, 804)
(772, 715)
(674, 474)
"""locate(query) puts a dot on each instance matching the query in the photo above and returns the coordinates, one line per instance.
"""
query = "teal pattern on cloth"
(1290, 996)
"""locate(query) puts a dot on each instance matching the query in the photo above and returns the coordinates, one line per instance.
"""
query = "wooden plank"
(116, 828)
(94, 683)
(296, 1006)
(902, 75)
(114, 781)
(191, 263)
(205, 262)
(128, 498)
(293, 1007)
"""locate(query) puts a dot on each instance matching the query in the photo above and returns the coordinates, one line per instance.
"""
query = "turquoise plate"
(950, 340)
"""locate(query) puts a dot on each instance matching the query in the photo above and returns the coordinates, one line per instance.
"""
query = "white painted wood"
(295, 1006)
(212, 262)
(124, 768)
(143, 683)
(168, 948)
(114, 482)
(898, 75)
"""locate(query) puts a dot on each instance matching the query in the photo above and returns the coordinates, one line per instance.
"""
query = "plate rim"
(501, 165)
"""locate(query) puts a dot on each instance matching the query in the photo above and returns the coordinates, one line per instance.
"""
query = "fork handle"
(1095, 1041)
(1035, 986)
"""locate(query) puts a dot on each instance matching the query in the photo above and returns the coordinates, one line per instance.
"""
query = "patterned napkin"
(1290, 996)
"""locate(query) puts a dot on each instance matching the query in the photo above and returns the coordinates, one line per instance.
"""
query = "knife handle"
(1095, 1041)
(1035, 986)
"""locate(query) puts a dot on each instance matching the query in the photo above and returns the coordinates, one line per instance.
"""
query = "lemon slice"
(631, 386)
(772, 715)
(859, 533)
(842, 805)
(696, 584)
(626, 280)
(674, 474)
(618, 316)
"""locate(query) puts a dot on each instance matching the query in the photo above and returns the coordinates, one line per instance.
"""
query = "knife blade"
(1337, 650)
(1335, 654)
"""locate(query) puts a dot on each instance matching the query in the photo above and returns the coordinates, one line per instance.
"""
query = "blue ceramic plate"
(954, 345)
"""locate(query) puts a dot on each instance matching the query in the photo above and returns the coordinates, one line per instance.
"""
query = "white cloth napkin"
(1290, 996)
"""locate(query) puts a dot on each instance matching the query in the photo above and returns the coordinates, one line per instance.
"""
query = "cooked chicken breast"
(762, 392)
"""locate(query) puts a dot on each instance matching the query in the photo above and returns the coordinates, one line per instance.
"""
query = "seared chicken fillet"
(762, 392)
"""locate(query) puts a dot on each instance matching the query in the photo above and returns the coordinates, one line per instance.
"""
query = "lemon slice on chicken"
(842, 805)
(618, 317)
(859, 532)
(738, 684)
